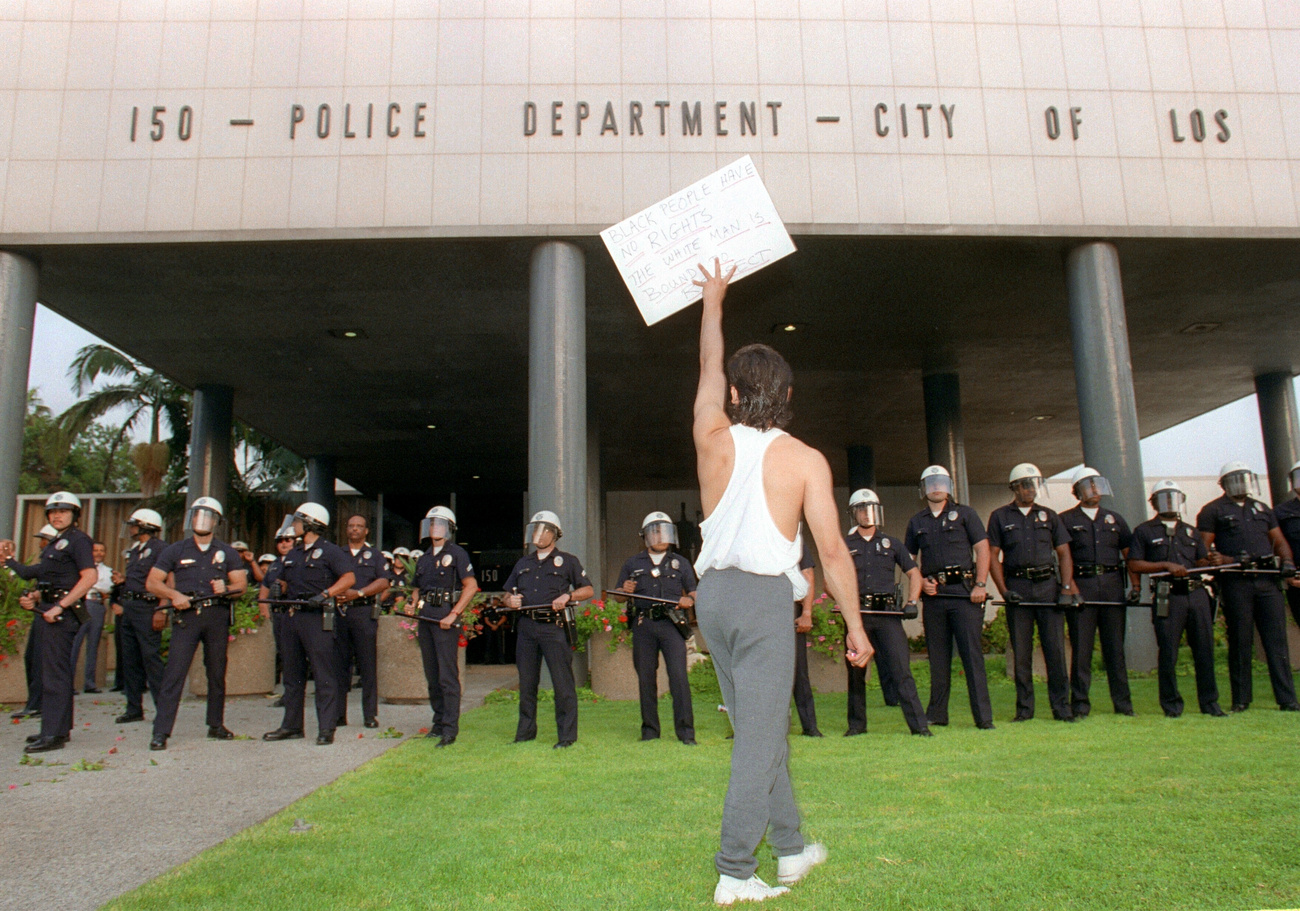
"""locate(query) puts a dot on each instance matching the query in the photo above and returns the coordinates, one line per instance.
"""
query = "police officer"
(136, 609)
(314, 571)
(1025, 535)
(197, 567)
(357, 626)
(31, 654)
(64, 573)
(445, 579)
(1288, 520)
(1099, 539)
(270, 588)
(875, 554)
(1166, 544)
(949, 540)
(658, 571)
(804, 704)
(1238, 528)
(546, 578)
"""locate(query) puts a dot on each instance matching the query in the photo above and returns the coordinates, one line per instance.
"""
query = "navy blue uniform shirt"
(1098, 541)
(542, 581)
(61, 562)
(444, 570)
(139, 560)
(671, 578)
(1238, 529)
(195, 570)
(1288, 519)
(1153, 543)
(875, 561)
(367, 564)
(946, 539)
(309, 571)
(1026, 540)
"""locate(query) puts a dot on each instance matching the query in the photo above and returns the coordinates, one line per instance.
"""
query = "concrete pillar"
(18, 281)
(211, 425)
(1103, 378)
(557, 391)
(862, 468)
(320, 483)
(943, 430)
(1281, 426)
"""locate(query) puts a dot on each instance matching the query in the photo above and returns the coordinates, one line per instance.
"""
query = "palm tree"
(144, 393)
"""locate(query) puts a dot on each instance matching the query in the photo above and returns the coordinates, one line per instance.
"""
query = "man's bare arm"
(711, 395)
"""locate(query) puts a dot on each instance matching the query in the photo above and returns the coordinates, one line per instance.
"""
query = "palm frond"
(94, 361)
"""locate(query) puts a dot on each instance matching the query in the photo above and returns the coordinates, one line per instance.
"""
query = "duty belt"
(51, 595)
(544, 615)
(879, 602)
(952, 575)
(139, 596)
(1185, 586)
(1033, 573)
(435, 597)
(1093, 570)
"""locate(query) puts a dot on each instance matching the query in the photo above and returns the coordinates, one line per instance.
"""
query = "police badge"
(559, 561)
(316, 554)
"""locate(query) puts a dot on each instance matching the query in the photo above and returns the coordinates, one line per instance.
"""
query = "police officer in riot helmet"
(314, 572)
(949, 541)
(1167, 544)
(1238, 528)
(659, 572)
(271, 587)
(139, 617)
(1288, 520)
(31, 654)
(1023, 538)
(1099, 539)
(445, 579)
(875, 556)
(64, 574)
(356, 628)
(199, 575)
(544, 583)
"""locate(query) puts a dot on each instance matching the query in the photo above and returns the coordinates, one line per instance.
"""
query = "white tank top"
(740, 534)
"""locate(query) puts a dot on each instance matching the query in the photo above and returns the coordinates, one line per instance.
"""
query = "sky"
(1194, 448)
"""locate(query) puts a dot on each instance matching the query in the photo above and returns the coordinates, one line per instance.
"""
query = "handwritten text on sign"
(727, 215)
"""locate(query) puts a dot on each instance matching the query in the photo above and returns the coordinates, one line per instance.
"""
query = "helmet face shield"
(866, 515)
(1240, 484)
(541, 534)
(657, 534)
(1035, 484)
(1094, 486)
(936, 484)
(286, 529)
(1168, 502)
(203, 521)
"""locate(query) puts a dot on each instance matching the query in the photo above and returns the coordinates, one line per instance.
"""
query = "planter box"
(401, 672)
(101, 665)
(250, 665)
(13, 676)
(827, 675)
(612, 675)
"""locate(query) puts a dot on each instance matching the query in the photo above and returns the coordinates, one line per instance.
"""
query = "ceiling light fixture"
(348, 333)
(788, 327)
(1042, 417)
(431, 426)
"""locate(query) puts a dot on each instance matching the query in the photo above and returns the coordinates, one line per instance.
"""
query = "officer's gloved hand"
(319, 598)
(1069, 599)
(910, 611)
(1012, 598)
(1135, 596)
(1288, 569)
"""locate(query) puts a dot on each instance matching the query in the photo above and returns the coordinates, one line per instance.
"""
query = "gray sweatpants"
(746, 620)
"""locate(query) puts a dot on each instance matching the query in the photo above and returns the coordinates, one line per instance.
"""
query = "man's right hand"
(181, 601)
(857, 648)
(630, 586)
(515, 601)
(715, 285)
(978, 595)
(7, 550)
(930, 586)
(803, 623)
(29, 601)
(1217, 559)
(1176, 569)
(1012, 598)
(117, 610)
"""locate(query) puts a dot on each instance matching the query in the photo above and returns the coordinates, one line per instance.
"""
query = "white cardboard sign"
(727, 215)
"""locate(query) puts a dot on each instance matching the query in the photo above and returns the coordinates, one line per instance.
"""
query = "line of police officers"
(1078, 571)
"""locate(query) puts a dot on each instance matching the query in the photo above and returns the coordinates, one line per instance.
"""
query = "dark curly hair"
(762, 380)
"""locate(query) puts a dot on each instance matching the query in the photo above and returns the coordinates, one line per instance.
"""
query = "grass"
(1109, 813)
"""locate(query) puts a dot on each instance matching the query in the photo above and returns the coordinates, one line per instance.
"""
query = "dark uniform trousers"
(803, 693)
(440, 653)
(303, 640)
(535, 642)
(649, 638)
(32, 664)
(1190, 613)
(57, 663)
(1250, 604)
(355, 636)
(948, 621)
(1293, 599)
(1051, 635)
(212, 628)
(892, 662)
(141, 659)
(277, 631)
(1084, 623)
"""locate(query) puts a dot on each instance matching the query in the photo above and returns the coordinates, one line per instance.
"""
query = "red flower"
(622, 618)
(463, 642)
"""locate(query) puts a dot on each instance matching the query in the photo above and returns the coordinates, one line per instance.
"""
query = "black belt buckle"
(952, 575)
(1035, 573)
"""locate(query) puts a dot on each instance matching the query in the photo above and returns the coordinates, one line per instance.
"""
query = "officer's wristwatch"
(981, 585)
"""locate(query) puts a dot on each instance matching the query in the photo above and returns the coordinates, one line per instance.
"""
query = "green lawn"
(1111, 812)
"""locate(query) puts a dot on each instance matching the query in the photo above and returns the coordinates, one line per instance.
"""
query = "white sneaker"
(794, 867)
(731, 890)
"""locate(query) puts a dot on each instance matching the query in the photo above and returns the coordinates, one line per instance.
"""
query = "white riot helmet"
(145, 520)
(1237, 480)
(205, 514)
(401, 552)
(657, 528)
(314, 517)
(62, 499)
(1167, 498)
(265, 559)
(865, 509)
(935, 479)
(48, 532)
(1027, 473)
(439, 522)
(1088, 482)
(416, 555)
(1294, 475)
(543, 519)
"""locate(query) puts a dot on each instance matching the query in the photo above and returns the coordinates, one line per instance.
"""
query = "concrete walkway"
(73, 840)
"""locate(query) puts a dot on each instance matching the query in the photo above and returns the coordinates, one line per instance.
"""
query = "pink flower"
(821, 638)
